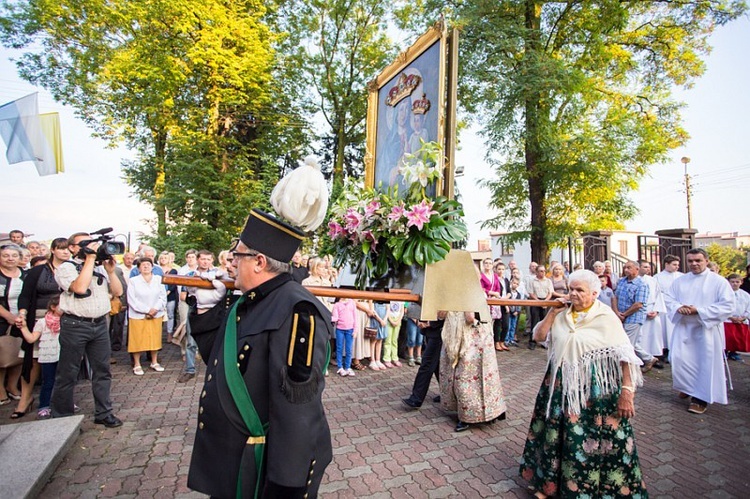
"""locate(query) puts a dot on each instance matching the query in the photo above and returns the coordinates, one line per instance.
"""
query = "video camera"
(107, 248)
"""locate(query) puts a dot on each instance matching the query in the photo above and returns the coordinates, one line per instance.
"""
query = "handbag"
(115, 305)
(496, 311)
(370, 333)
(10, 346)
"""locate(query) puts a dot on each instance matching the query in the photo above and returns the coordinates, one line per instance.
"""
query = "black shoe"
(658, 365)
(532, 346)
(461, 426)
(413, 406)
(436, 399)
(185, 377)
(110, 421)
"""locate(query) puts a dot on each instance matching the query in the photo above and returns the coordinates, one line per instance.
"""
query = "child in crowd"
(377, 321)
(47, 333)
(344, 315)
(514, 311)
(413, 334)
(393, 324)
(606, 293)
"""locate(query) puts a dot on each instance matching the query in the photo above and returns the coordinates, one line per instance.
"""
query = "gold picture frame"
(419, 83)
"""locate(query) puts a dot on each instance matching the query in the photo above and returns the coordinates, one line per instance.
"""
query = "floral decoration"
(374, 231)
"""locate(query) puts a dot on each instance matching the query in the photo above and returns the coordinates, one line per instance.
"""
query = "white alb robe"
(741, 304)
(652, 339)
(665, 280)
(697, 351)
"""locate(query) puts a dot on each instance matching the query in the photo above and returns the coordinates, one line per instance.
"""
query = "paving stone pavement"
(384, 451)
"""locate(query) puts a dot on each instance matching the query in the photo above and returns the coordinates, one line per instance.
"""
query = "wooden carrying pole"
(355, 294)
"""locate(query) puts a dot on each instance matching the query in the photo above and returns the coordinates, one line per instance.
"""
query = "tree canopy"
(188, 85)
(575, 100)
(342, 44)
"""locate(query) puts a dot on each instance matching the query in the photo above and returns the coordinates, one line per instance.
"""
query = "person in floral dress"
(469, 378)
(580, 441)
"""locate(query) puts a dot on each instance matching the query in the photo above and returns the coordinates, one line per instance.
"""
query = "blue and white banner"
(23, 134)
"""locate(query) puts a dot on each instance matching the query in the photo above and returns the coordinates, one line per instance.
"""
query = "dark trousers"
(537, 314)
(116, 329)
(430, 365)
(49, 370)
(79, 338)
(497, 330)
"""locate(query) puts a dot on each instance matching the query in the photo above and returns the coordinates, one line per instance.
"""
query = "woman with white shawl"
(580, 441)
(469, 377)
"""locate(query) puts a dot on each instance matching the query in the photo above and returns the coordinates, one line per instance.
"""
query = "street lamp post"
(685, 160)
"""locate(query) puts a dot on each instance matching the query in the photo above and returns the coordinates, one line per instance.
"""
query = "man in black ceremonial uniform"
(262, 430)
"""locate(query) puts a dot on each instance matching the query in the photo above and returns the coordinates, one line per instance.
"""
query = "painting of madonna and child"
(408, 116)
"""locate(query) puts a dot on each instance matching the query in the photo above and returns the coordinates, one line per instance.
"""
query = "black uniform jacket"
(282, 338)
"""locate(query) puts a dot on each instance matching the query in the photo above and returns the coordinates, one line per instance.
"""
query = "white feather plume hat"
(301, 197)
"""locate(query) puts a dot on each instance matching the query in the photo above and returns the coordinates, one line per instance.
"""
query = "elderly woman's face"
(487, 265)
(146, 267)
(9, 258)
(581, 297)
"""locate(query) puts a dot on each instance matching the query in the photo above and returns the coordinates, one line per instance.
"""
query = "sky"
(92, 194)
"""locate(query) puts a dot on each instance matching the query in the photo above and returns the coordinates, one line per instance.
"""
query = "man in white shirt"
(540, 288)
(127, 265)
(652, 340)
(697, 304)
(665, 278)
(83, 328)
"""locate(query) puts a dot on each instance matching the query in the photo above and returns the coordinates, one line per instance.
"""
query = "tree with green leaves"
(342, 44)
(575, 100)
(730, 260)
(190, 86)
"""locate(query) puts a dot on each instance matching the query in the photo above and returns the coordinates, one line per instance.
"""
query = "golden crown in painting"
(403, 88)
(421, 106)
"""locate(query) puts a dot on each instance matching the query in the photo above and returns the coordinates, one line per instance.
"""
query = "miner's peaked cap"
(270, 236)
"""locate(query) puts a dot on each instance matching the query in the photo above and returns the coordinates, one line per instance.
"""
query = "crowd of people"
(59, 305)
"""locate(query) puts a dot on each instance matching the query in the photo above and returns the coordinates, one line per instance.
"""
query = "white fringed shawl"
(596, 343)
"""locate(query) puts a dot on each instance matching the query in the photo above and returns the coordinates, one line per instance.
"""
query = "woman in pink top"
(491, 287)
(343, 316)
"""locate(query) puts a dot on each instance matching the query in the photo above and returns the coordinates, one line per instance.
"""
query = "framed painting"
(406, 107)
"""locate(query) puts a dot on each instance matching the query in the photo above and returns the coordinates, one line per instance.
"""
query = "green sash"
(242, 399)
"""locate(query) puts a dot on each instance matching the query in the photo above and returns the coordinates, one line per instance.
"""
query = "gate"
(655, 248)
(595, 248)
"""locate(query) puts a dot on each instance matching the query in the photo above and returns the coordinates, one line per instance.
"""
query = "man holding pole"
(262, 429)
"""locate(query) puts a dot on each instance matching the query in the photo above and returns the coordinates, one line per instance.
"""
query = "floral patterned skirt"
(591, 455)
(473, 388)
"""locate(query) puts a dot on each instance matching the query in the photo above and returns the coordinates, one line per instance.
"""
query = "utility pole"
(685, 160)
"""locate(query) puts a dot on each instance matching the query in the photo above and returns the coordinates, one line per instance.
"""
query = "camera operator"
(85, 303)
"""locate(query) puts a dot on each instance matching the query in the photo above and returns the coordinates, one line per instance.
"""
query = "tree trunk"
(341, 142)
(160, 148)
(532, 147)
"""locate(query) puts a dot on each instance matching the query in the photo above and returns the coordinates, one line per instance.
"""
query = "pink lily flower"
(396, 213)
(371, 208)
(353, 219)
(419, 214)
(335, 230)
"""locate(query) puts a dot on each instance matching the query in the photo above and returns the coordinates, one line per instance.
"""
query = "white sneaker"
(350, 372)
(341, 372)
